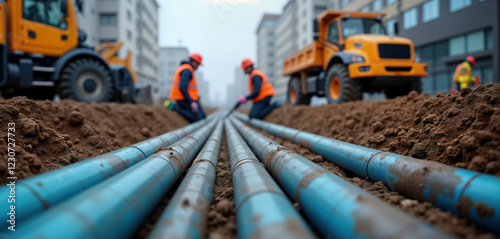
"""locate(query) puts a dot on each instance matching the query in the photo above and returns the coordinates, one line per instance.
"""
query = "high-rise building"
(286, 43)
(444, 32)
(265, 45)
(170, 60)
(307, 10)
(133, 22)
(293, 31)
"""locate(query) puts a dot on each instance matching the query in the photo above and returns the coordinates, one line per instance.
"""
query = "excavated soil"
(52, 135)
(461, 129)
(421, 210)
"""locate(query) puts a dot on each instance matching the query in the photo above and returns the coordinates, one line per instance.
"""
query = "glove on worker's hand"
(242, 100)
(194, 107)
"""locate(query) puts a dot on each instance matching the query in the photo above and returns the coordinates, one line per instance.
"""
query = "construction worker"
(260, 91)
(184, 90)
(462, 75)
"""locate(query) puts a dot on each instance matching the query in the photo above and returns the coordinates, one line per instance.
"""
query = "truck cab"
(352, 54)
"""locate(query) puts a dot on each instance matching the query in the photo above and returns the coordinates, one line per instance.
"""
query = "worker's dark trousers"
(184, 108)
(262, 108)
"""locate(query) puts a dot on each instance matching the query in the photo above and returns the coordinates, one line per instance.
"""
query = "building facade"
(239, 88)
(286, 43)
(444, 32)
(265, 45)
(293, 30)
(133, 22)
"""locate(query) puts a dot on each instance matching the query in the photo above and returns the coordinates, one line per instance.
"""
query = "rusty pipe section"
(262, 209)
(121, 201)
(187, 211)
(465, 193)
(44, 191)
(335, 207)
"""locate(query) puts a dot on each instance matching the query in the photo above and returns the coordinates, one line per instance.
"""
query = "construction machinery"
(42, 54)
(352, 54)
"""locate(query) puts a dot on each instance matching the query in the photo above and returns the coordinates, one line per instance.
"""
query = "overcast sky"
(222, 31)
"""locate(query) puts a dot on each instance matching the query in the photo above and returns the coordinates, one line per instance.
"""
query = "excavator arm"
(108, 52)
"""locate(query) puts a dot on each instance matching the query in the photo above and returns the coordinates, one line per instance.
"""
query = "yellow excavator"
(42, 54)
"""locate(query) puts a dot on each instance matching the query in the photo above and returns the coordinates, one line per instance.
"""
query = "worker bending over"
(184, 90)
(260, 91)
(462, 75)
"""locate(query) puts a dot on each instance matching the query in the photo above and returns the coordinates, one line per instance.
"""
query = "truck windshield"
(353, 26)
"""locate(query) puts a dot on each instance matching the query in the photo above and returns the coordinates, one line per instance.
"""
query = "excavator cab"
(42, 54)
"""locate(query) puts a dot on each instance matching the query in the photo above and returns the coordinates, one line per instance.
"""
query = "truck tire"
(339, 87)
(393, 92)
(86, 80)
(294, 94)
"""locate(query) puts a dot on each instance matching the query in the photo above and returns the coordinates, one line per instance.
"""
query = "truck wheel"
(85, 80)
(339, 87)
(294, 95)
(393, 92)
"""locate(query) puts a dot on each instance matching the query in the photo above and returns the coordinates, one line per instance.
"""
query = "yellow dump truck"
(42, 53)
(352, 54)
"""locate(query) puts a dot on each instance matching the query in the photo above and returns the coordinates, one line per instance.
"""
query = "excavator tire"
(86, 80)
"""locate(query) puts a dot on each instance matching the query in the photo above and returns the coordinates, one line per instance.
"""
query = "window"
(108, 19)
(353, 26)
(456, 5)
(333, 6)
(129, 15)
(342, 4)
(440, 51)
(333, 32)
(489, 38)
(365, 8)
(410, 18)
(389, 2)
(318, 10)
(304, 13)
(34, 10)
(443, 82)
(428, 84)
(430, 10)
(44, 12)
(304, 43)
(391, 26)
(457, 46)
(377, 5)
(129, 35)
(304, 27)
(475, 41)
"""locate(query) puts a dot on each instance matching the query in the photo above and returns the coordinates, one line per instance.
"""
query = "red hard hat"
(246, 63)
(471, 60)
(196, 57)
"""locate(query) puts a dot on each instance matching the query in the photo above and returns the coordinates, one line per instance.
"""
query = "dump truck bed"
(306, 59)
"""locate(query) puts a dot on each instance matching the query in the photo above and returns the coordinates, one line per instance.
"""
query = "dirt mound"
(51, 135)
(462, 129)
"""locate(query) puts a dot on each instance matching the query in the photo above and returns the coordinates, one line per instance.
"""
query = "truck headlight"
(355, 58)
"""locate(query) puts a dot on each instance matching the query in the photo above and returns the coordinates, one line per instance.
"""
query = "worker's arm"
(186, 76)
(257, 83)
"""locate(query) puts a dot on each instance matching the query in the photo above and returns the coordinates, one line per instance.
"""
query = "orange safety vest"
(266, 88)
(175, 91)
(463, 75)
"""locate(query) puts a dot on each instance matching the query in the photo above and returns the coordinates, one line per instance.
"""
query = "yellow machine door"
(334, 36)
(45, 29)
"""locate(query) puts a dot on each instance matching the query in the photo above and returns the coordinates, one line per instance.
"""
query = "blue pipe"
(262, 209)
(187, 212)
(122, 201)
(466, 193)
(336, 208)
(39, 193)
